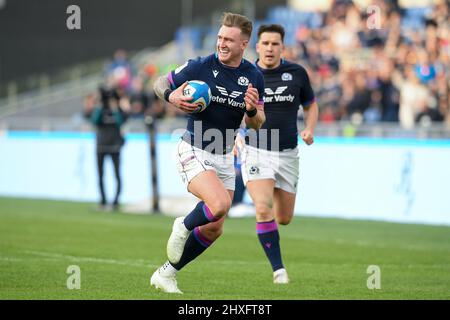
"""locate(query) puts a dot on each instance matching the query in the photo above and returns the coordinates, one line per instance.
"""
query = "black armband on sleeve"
(251, 113)
(167, 94)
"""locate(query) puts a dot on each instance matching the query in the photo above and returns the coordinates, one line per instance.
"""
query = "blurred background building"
(380, 70)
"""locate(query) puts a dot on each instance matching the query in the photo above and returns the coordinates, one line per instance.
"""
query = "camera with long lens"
(107, 94)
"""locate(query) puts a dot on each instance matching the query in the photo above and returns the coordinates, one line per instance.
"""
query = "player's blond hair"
(239, 21)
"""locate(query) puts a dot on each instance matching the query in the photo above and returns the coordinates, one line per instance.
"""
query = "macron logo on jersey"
(277, 96)
(230, 98)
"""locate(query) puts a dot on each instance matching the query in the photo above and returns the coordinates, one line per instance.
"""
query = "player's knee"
(263, 210)
(284, 220)
(220, 206)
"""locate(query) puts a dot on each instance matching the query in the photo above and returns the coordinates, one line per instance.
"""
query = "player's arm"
(254, 113)
(310, 107)
(164, 91)
(311, 116)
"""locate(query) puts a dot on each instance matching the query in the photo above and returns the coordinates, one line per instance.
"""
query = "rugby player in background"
(270, 161)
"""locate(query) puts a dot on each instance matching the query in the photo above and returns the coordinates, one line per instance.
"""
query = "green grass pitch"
(117, 253)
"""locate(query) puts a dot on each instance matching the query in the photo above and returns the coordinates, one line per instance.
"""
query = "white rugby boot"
(177, 240)
(165, 279)
(280, 276)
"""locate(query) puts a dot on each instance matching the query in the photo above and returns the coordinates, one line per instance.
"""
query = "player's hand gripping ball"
(200, 93)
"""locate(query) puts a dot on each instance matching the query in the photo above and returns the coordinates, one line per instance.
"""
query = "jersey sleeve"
(187, 71)
(306, 92)
(260, 87)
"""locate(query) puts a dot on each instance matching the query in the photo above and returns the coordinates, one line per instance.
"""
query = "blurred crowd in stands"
(393, 69)
(389, 64)
(132, 84)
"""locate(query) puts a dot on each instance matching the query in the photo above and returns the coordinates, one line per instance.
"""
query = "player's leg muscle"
(283, 206)
(261, 192)
(208, 187)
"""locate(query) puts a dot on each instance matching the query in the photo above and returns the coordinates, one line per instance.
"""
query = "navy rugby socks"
(199, 216)
(195, 245)
(270, 241)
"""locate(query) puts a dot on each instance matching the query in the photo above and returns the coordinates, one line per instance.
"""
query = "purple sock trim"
(208, 214)
(201, 238)
(264, 227)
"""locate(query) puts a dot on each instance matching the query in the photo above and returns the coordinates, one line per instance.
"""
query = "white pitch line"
(15, 259)
(11, 259)
(133, 263)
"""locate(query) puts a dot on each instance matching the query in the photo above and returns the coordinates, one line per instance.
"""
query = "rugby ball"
(200, 93)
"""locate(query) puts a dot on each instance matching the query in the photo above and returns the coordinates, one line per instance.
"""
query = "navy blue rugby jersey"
(227, 108)
(286, 88)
